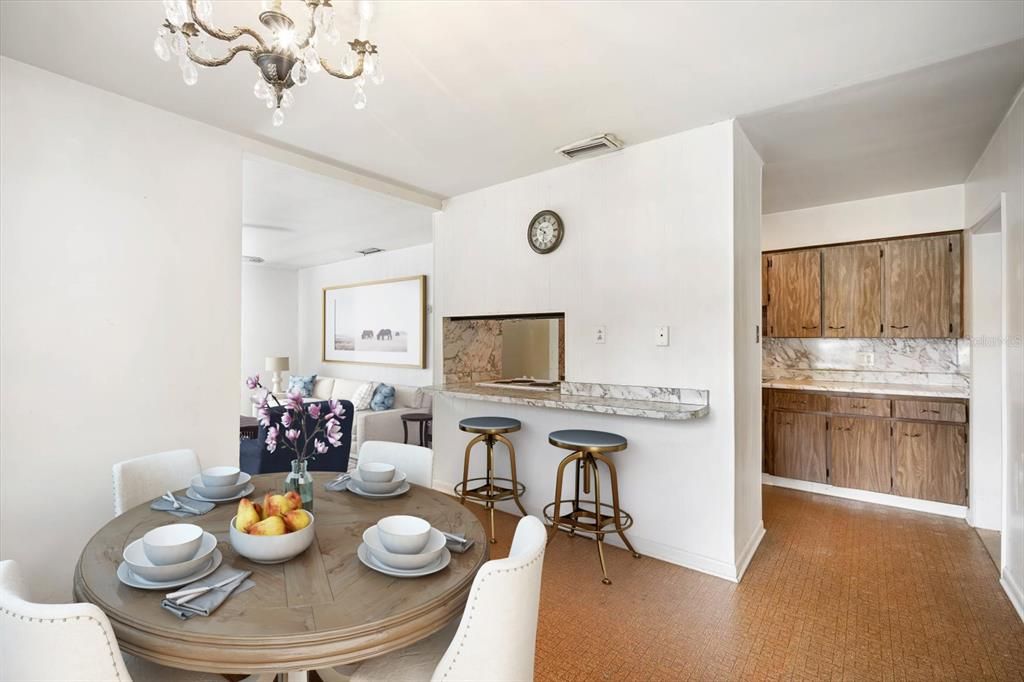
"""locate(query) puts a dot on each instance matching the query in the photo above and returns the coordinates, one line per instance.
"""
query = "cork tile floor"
(838, 590)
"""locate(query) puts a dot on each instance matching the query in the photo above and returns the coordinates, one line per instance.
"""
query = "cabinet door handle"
(931, 411)
(906, 326)
(831, 327)
(912, 435)
(859, 407)
(813, 326)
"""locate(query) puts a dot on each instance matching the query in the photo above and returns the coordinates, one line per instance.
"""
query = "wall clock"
(545, 232)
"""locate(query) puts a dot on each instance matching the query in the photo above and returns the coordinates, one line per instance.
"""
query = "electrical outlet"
(661, 336)
(599, 334)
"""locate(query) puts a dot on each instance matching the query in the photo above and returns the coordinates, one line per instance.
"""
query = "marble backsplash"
(472, 351)
(902, 361)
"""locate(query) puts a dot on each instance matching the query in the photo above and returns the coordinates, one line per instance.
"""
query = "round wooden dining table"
(321, 609)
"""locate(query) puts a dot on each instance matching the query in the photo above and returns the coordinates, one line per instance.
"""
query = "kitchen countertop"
(919, 390)
(650, 409)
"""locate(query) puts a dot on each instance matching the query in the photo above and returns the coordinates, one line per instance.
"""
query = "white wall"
(929, 210)
(270, 323)
(415, 260)
(119, 287)
(746, 345)
(1001, 171)
(649, 241)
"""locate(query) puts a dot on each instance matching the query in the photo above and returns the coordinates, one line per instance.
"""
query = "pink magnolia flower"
(320, 446)
(294, 400)
(286, 419)
(334, 433)
(271, 441)
(314, 411)
(337, 409)
(292, 434)
(264, 414)
(253, 381)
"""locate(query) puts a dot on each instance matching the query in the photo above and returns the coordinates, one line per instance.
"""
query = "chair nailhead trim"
(110, 650)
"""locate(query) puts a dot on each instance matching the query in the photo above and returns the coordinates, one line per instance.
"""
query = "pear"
(277, 505)
(296, 519)
(294, 498)
(272, 525)
(247, 515)
(259, 509)
(265, 507)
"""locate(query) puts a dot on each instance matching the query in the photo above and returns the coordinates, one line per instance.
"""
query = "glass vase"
(301, 481)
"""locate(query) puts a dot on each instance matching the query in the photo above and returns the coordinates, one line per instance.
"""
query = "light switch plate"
(599, 334)
(661, 336)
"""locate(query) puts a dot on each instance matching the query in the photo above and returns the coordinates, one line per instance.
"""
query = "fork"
(178, 505)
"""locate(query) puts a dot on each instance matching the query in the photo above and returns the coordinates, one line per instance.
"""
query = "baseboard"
(748, 550)
(669, 554)
(941, 508)
(1014, 592)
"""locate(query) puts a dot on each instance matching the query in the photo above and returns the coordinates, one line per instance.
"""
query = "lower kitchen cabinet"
(861, 454)
(798, 446)
(930, 461)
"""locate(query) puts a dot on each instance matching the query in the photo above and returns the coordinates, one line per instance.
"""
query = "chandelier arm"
(232, 53)
(235, 33)
(337, 73)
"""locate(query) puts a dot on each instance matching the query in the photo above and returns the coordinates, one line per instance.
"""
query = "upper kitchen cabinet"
(852, 283)
(794, 293)
(922, 287)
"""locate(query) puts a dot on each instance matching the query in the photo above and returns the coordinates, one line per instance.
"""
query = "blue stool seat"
(490, 425)
(582, 439)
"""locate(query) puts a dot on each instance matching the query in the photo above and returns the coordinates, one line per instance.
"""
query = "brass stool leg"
(599, 535)
(615, 503)
(556, 513)
(512, 463)
(465, 467)
(490, 483)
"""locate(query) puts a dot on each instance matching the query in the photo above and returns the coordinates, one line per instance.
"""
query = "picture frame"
(381, 322)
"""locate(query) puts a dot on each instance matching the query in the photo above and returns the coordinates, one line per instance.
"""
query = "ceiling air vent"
(591, 146)
(370, 250)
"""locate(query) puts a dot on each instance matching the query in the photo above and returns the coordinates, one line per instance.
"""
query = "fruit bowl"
(272, 549)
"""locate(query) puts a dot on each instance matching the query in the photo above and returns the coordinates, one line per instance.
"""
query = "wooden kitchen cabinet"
(861, 454)
(930, 461)
(922, 287)
(852, 290)
(765, 289)
(798, 446)
(794, 288)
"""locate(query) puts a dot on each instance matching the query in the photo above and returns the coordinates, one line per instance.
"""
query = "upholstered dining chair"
(496, 637)
(417, 462)
(67, 642)
(145, 478)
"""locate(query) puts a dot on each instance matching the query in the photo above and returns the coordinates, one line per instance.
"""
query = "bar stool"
(588, 516)
(491, 489)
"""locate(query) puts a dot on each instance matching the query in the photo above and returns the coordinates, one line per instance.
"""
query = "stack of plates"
(138, 571)
(393, 488)
(199, 490)
(433, 557)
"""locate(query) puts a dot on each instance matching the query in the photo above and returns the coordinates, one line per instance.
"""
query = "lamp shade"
(277, 364)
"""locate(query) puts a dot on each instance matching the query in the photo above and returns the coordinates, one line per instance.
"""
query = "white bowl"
(219, 492)
(379, 488)
(429, 555)
(403, 534)
(219, 477)
(174, 543)
(272, 549)
(376, 472)
(139, 564)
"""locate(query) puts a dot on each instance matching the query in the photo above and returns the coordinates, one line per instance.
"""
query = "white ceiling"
(920, 129)
(482, 92)
(294, 218)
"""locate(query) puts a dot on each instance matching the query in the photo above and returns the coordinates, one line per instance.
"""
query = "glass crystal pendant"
(189, 73)
(312, 59)
(378, 75)
(300, 75)
(261, 89)
(178, 44)
(172, 10)
(359, 98)
(160, 46)
(278, 118)
(287, 99)
(204, 9)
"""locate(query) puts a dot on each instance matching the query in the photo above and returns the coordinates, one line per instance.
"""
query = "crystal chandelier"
(285, 59)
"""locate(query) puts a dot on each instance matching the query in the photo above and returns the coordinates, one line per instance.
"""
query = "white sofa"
(369, 424)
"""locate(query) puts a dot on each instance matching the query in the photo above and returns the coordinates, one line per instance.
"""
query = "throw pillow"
(383, 398)
(303, 384)
(363, 395)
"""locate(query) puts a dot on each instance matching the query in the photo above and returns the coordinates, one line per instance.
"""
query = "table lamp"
(277, 365)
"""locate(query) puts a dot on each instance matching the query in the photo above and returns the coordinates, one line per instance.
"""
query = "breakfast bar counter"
(674, 404)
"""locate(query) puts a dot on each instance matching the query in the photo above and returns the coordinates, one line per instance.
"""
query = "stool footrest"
(584, 520)
(488, 490)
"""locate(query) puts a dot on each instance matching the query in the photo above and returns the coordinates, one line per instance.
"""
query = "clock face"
(545, 232)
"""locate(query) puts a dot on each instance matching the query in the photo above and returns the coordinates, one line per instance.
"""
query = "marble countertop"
(919, 390)
(650, 409)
